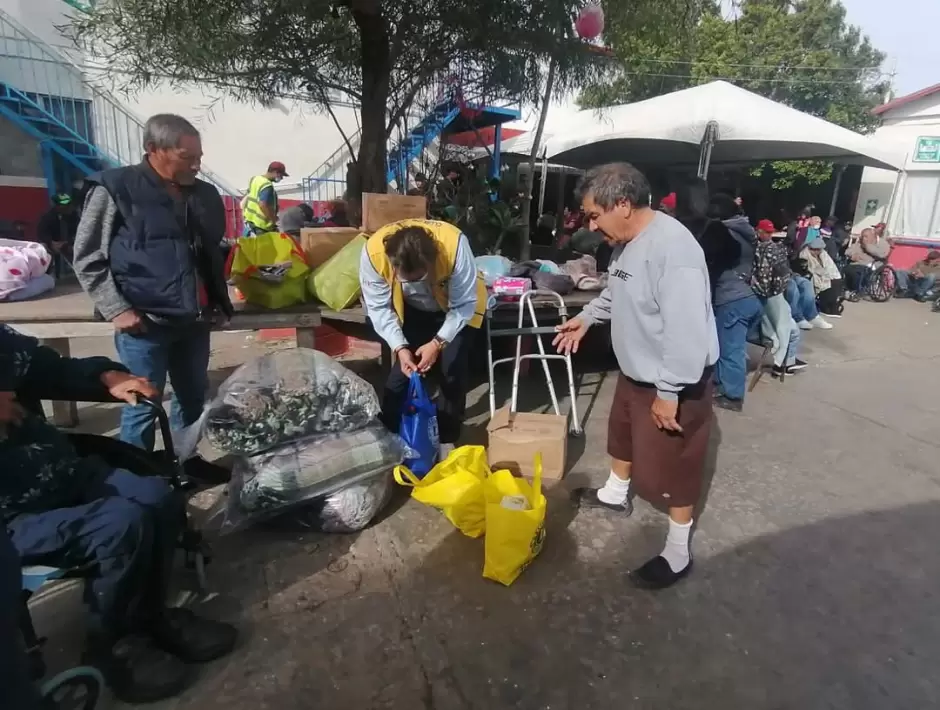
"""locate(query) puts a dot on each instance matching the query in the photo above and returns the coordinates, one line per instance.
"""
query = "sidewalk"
(816, 580)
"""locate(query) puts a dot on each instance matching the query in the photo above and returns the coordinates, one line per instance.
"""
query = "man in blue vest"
(148, 253)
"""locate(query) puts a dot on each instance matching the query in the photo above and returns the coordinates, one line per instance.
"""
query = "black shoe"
(732, 405)
(587, 498)
(192, 638)
(138, 672)
(657, 574)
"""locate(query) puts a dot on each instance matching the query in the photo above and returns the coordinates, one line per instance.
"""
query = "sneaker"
(657, 574)
(732, 405)
(805, 325)
(138, 672)
(587, 498)
(797, 366)
(192, 638)
(821, 323)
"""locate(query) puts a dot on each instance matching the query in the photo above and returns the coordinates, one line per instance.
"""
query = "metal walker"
(525, 303)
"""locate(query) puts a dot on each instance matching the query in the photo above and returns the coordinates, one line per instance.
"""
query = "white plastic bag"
(276, 481)
(282, 397)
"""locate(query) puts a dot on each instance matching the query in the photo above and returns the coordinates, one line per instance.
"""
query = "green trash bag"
(336, 281)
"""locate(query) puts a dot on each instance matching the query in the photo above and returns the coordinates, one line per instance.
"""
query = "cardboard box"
(320, 243)
(514, 443)
(379, 210)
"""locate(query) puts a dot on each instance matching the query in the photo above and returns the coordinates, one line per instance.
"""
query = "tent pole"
(840, 171)
(544, 181)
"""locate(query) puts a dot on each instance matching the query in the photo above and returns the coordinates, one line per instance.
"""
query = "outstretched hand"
(128, 388)
(570, 335)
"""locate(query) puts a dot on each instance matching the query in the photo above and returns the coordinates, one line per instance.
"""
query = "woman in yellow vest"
(422, 291)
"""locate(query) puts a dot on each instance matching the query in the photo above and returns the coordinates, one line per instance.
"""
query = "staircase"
(81, 127)
(450, 104)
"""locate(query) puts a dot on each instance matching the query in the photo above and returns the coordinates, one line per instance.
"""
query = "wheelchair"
(879, 283)
(80, 688)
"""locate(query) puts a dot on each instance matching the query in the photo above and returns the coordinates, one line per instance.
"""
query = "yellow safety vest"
(251, 205)
(447, 237)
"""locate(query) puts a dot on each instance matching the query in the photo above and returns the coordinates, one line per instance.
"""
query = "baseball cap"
(817, 243)
(669, 201)
(933, 255)
(278, 167)
(765, 225)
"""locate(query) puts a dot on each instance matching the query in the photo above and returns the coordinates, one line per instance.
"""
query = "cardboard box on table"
(516, 439)
(321, 243)
(379, 210)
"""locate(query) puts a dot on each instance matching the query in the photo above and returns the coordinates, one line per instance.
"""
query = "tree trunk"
(376, 75)
(526, 246)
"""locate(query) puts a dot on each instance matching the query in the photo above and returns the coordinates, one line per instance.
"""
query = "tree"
(388, 56)
(801, 53)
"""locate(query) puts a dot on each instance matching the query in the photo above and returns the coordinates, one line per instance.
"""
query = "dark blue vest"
(164, 250)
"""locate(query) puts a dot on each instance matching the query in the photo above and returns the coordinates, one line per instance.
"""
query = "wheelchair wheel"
(75, 689)
(882, 284)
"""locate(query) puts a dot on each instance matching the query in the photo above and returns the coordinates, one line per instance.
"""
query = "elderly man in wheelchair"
(118, 528)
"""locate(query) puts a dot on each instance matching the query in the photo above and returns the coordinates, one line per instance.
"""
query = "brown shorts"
(668, 467)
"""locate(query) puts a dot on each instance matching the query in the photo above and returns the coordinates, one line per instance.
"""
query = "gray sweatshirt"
(658, 302)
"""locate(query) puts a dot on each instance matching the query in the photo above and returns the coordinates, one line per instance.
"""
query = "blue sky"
(908, 31)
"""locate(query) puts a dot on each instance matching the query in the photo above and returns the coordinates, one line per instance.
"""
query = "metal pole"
(542, 186)
(495, 167)
(840, 171)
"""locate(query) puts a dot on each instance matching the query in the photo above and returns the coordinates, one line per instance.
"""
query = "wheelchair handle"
(163, 421)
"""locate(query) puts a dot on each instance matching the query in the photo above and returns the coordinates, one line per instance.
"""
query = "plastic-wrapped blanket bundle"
(284, 396)
(343, 477)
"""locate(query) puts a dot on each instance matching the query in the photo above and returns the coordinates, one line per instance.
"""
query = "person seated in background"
(827, 280)
(424, 297)
(799, 292)
(62, 510)
(668, 204)
(861, 255)
(56, 231)
(918, 281)
(836, 238)
(295, 218)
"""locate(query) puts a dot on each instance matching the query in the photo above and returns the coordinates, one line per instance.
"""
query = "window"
(918, 209)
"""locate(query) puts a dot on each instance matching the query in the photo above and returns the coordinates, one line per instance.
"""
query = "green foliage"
(801, 53)
(388, 56)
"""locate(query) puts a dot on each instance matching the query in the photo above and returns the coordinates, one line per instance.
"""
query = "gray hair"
(610, 183)
(165, 131)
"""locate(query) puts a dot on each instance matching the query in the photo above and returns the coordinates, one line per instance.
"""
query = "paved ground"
(816, 583)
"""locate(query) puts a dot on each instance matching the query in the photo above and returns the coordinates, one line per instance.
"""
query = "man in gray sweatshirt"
(658, 302)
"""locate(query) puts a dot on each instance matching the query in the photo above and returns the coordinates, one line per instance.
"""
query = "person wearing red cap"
(668, 204)
(259, 206)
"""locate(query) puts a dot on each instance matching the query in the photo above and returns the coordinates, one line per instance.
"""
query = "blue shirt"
(462, 298)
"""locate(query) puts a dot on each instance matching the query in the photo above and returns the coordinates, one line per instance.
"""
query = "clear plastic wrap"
(277, 481)
(285, 396)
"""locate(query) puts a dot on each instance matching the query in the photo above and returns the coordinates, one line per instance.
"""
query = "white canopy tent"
(712, 124)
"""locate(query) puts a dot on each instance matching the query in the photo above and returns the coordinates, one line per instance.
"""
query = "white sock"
(615, 491)
(676, 551)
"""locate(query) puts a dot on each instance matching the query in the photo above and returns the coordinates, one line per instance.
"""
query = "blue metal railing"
(94, 122)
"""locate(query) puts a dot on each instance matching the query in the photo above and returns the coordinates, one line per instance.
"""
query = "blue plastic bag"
(419, 429)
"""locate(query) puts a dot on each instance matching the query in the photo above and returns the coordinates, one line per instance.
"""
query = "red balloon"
(590, 22)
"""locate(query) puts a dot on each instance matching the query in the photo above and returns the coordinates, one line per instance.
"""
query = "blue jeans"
(914, 286)
(182, 353)
(802, 298)
(124, 525)
(734, 320)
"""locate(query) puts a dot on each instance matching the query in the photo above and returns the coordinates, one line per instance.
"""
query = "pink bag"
(20, 263)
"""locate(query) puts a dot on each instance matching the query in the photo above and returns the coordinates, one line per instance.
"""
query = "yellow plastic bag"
(336, 281)
(515, 523)
(455, 486)
(270, 270)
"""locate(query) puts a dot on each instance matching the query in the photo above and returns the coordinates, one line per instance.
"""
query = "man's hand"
(406, 361)
(917, 274)
(129, 322)
(427, 355)
(128, 388)
(665, 413)
(11, 411)
(570, 335)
